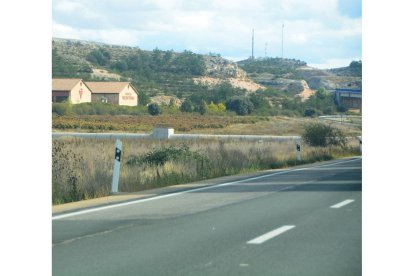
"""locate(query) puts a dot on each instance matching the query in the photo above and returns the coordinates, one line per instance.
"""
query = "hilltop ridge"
(179, 75)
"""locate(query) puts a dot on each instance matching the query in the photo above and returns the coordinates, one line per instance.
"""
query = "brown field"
(192, 124)
(128, 123)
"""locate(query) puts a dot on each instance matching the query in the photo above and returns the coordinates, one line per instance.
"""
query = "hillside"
(154, 72)
(290, 74)
(272, 85)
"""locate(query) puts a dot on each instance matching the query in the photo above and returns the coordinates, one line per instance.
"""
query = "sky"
(323, 33)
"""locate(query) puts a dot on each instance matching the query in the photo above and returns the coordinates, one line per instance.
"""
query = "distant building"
(70, 90)
(350, 98)
(119, 93)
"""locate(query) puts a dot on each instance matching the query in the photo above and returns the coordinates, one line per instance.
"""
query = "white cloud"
(111, 36)
(68, 6)
(77, 10)
(63, 31)
(334, 63)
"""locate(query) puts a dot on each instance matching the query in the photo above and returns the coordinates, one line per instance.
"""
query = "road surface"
(300, 221)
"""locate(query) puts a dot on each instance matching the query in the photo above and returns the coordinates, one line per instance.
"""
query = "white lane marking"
(342, 203)
(261, 239)
(187, 191)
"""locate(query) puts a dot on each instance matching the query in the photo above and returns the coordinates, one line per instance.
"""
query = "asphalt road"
(303, 221)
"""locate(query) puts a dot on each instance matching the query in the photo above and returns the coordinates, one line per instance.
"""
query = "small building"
(350, 98)
(118, 93)
(70, 90)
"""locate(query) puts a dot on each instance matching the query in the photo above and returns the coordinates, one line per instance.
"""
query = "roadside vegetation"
(82, 168)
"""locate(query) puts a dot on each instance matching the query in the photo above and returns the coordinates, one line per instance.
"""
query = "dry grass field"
(82, 168)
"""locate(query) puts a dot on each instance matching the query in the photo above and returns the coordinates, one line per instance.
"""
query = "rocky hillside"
(178, 75)
(155, 72)
(291, 75)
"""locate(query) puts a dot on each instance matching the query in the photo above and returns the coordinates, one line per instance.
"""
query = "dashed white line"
(261, 239)
(342, 203)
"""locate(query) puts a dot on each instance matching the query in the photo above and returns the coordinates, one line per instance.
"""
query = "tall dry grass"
(82, 168)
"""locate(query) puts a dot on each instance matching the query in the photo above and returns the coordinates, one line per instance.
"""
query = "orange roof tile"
(64, 84)
(107, 87)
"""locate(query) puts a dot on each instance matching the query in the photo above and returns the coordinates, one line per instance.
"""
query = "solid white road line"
(343, 203)
(261, 239)
(188, 191)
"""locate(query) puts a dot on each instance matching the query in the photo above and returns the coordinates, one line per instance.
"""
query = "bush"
(321, 135)
(309, 112)
(341, 108)
(99, 56)
(241, 105)
(154, 109)
(187, 106)
(158, 157)
(62, 109)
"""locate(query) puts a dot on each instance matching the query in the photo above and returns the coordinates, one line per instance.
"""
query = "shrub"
(241, 105)
(341, 108)
(62, 109)
(322, 135)
(202, 108)
(309, 112)
(99, 56)
(154, 109)
(187, 106)
(159, 157)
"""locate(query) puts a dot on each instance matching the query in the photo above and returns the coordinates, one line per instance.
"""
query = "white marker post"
(298, 150)
(117, 166)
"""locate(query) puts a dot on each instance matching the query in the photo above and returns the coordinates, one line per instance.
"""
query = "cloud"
(334, 63)
(111, 36)
(76, 9)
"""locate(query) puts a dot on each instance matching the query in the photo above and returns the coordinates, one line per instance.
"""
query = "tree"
(154, 109)
(322, 135)
(99, 56)
(202, 108)
(309, 112)
(241, 105)
(212, 108)
(143, 98)
(356, 64)
(221, 107)
(187, 106)
(259, 101)
(322, 94)
(121, 66)
(60, 67)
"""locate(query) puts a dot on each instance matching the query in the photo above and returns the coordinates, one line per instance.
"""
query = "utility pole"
(253, 43)
(265, 49)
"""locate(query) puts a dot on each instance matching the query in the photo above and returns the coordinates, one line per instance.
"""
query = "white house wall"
(128, 97)
(80, 94)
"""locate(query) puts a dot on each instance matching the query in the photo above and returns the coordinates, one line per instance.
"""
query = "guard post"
(298, 150)
(117, 166)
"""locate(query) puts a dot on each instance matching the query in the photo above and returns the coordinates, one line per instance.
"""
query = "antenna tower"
(253, 44)
(283, 26)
